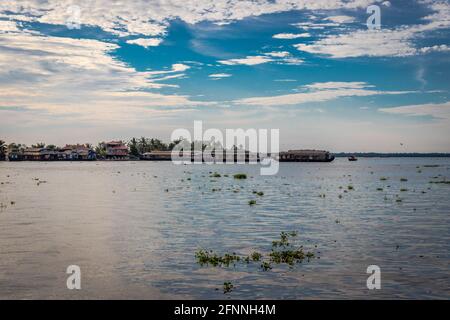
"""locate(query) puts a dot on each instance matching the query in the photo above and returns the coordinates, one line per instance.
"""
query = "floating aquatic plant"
(227, 287)
(441, 182)
(265, 266)
(282, 253)
(240, 176)
(252, 202)
(210, 258)
(403, 179)
(256, 256)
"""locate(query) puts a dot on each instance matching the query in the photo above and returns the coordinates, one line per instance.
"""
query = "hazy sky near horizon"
(310, 68)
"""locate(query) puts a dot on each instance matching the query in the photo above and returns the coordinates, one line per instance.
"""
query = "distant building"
(306, 156)
(40, 154)
(116, 150)
(76, 152)
(14, 153)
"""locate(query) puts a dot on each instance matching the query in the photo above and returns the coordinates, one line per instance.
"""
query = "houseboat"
(157, 156)
(305, 156)
(198, 156)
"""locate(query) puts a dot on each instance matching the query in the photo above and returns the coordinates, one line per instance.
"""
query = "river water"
(133, 229)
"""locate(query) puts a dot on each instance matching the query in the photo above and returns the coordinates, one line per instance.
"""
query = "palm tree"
(38, 145)
(2, 150)
(51, 147)
(100, 149)
(133, 144)
(142, 145)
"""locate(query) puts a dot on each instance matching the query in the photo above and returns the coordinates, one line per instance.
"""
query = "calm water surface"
(134, 227)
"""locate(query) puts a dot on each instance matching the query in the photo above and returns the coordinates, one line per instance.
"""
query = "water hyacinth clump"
(205, 257)
(227, 287)
(256, 256)
(441, 182)
(240, 176)
(283, 252)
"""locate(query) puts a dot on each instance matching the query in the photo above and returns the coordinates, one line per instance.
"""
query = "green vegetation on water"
(283, 252)
(441, 182)
(227, 287)
(258, 193)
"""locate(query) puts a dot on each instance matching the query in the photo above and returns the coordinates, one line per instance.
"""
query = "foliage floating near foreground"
(240, 176)
(283, 252)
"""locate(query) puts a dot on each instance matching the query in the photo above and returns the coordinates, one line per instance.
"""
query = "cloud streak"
(318, 92)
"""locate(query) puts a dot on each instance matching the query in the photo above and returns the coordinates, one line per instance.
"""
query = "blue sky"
(312, 69)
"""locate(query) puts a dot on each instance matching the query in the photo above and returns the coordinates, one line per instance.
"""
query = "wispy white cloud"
(436, 48)
(440, 111)
(397, 42)
(289, 36)
(220, 75)
(278, 54)
(79, 77)
(341, 19)
(312, 25)
(151, 18)
(319, 92)
(149, 42)
(249, 61)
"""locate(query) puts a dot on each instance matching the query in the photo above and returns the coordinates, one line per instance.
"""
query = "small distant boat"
(352, 158)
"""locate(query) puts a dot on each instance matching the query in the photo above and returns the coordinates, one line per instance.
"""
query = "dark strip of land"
(392, 155)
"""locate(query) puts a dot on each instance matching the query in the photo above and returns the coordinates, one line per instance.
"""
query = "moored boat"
(306, 156)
